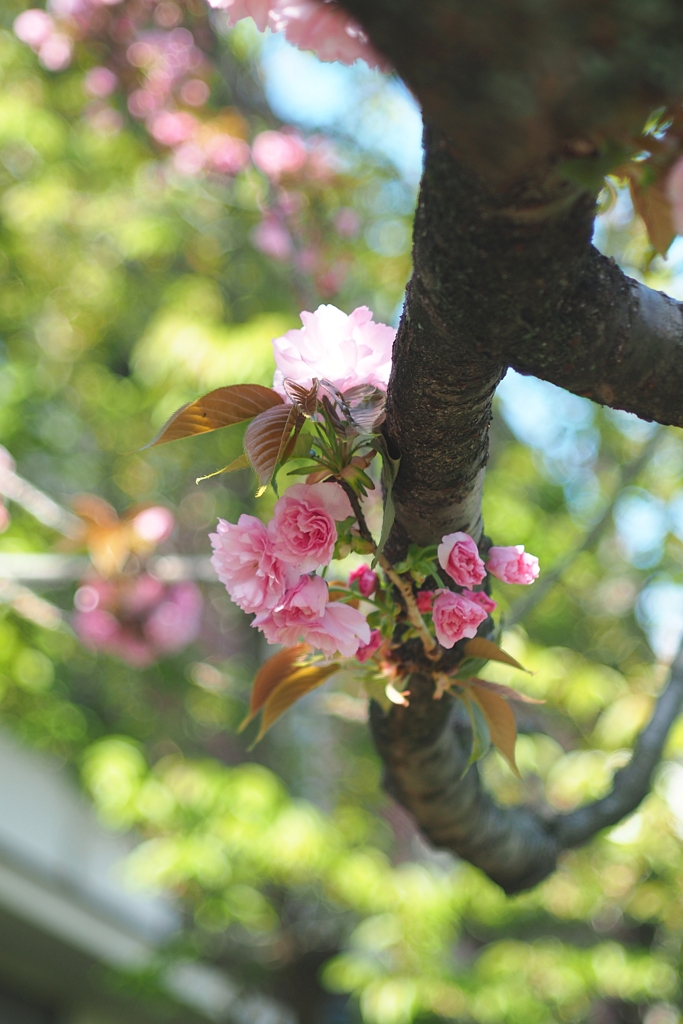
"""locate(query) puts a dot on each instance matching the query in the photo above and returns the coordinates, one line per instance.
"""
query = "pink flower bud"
(366, 651)
(424, 601)
(456, 616)
(482, 599)
(459, 557)
(367, 580)
(512, 564)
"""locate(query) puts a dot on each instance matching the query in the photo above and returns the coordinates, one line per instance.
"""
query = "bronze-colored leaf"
(288, 692)
(270, 675)
(241, 462)
(267, 438)
(479, 647)
(220, 408)
(305, 398)
(506, 691)
(651, 202)
(500, 720)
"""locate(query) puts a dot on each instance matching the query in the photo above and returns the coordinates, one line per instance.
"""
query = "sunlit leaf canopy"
(130, 284)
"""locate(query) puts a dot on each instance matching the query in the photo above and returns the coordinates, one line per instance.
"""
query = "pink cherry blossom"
(272, 238)
(56, 52)
(259, 10)
(100, 82)
(172, 128)
(459, 557)
(367, 580)
(305, 614)
(137, 619)
(326, 29)
(482, 599)
(345, 350)
(456, 616)
(226, 154)
(424, 600)
(513, 564)
(247, 566)
(278, 153)
(366, 651)
(33, 27)
(303, 528)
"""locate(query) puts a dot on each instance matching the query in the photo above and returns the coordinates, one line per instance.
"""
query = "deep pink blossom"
(424, 600)
(459, 557)
(482, 599)
(366, 651)
(346, 350)
(278, 153)
(306, 615)
(247, 566)
(137, 619)
(513, 564)
(456, 616)
(303, 528)
(366, 578)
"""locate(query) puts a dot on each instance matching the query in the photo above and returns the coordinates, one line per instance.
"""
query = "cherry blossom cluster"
(276, 571)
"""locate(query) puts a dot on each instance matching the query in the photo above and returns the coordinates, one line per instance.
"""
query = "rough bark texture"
(505, 276)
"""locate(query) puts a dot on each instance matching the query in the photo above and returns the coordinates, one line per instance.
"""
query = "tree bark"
(505, 275)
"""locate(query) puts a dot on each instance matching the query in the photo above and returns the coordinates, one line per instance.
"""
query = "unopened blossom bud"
(367, 580)
(459, 556)
(513, 564)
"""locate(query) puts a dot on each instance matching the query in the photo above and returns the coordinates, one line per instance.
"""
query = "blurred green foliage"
(127, 289)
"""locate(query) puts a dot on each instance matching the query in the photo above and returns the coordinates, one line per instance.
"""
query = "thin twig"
(39, 504)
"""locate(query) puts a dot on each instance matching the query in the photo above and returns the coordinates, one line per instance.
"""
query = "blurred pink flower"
(238, 9)
(366, 651)
(513, 564)
(347, 222)
(459, 556)
(247, 566)
(424, 600)
(366, 578)
(482, 599)
(305, 614)
(137, 619)
(195, 92)
(33, 27)
(326, 29)
(272, 238)
(278, 153)
(189, 159)
(456, 616)
(100, 82)
(55, 53)
(154, 524)
(172, 128)
(227, 154)
(303, 528)
(346, 350)
(142, 103)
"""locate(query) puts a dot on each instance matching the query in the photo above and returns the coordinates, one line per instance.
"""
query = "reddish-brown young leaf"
(299, 683)
(652, 204)
(267, 438)
(271, 674)
(220, 408)
(500, 720)
(305, 398)
(479, 647)
(506, 691)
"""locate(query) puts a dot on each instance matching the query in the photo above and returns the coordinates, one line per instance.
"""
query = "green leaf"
(220, 408)
(481, 737)
(241, 462)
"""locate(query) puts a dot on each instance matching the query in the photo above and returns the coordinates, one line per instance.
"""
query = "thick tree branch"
(425, 748)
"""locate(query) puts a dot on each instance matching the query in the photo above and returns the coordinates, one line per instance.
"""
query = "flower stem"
(404, 588)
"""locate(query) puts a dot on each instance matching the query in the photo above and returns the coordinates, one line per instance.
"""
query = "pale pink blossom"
(259, 10)
(227, 154)
(424, 600)
(674, 188)
(189, 159)
(303, 528)
(345, 350)
(33, 27)
(482, 599)
(137, 619)
(100, 82)
(513, 564)
(366, 651)
(326, 29)
(456, 616)
(247, 566)
(172, 128)
(278, 153)
(459, 557)
(55, 53)
(306, 615)
(366, 578)
(154, 524)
